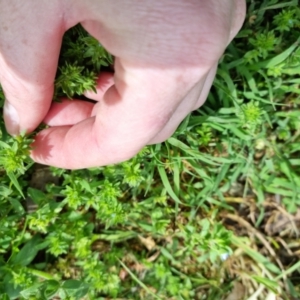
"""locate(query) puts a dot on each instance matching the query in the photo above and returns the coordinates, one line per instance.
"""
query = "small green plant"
(287, 19)
(14, 157)
(14, 154)
(263, 43)
(74, 80)
(250, 116)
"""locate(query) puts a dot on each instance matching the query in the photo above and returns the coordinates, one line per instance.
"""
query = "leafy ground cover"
(212, 213)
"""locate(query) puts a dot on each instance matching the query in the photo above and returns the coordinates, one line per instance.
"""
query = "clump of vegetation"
(212, 213)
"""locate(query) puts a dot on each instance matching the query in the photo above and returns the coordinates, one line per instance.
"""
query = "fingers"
(68, 112)
(29, 48)
(131, 113)
(142, 104)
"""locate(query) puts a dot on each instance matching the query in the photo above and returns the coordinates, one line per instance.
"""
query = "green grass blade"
(15, 182)
(138, 281)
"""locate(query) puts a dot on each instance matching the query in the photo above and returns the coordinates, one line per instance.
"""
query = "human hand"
(166, 54)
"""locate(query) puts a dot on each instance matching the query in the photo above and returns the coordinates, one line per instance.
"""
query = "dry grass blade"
(257, 234)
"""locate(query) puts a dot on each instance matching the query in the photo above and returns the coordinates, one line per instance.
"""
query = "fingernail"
(11, 119)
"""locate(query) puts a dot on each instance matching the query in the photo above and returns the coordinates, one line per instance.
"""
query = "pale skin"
(166, 54)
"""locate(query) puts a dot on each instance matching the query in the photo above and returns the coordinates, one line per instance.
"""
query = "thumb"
(30, 42)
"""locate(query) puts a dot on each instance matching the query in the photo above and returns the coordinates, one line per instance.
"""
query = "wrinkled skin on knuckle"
(174, 32)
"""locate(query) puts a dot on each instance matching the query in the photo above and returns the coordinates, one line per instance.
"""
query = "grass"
(212, 213)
